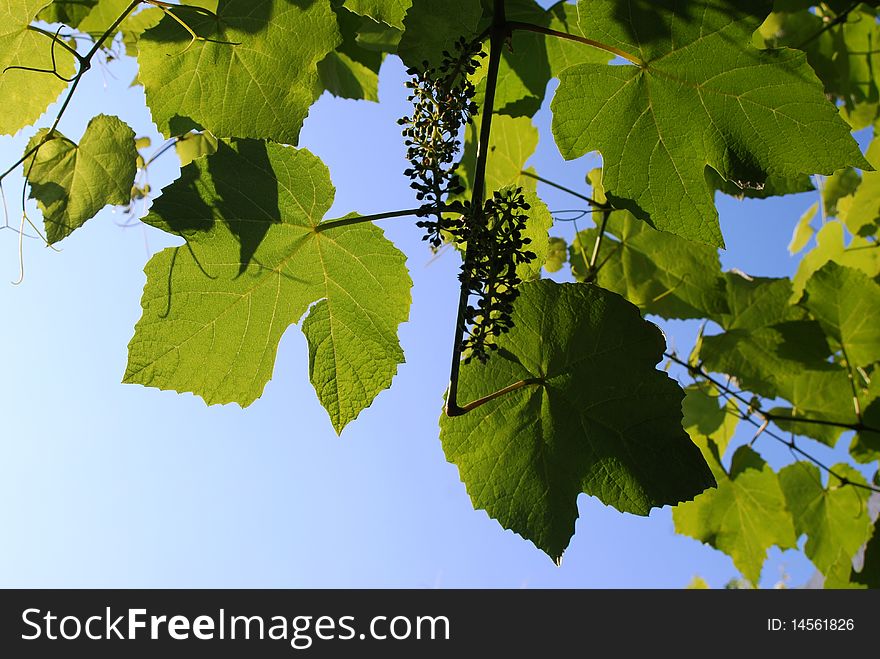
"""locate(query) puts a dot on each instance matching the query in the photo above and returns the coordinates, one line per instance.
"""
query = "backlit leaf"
(254, 263)
(591, 414)
(689, 100)
(71, 182)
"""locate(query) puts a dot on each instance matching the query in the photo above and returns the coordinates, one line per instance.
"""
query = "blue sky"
(111, 485)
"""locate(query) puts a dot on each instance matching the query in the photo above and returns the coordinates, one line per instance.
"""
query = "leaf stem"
(361, 219)
(857, 405)
(498, 34)
(552, 184)
(591, 268)
(498, 394)
(530, 27)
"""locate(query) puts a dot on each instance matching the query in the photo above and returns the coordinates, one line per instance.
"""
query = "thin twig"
(840, 18)
(85, 64)
(697, 370)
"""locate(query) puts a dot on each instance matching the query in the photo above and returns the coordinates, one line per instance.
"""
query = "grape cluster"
(496, 247)
(443, 105)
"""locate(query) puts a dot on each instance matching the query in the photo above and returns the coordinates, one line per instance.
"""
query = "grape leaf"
(260, 84)
(557, 254)
(847, 304)
(869, 575)
(531, 59)
(106, 12)
(834, 518)
(691, 101)
(773, 186)
(660, 273)
(524, 69)
(707, 421)
(591, 414)
(378, 36)
(429, 32)
(756, 302)
(537, 231)
(862, 213)
(254, 262)
(844, 56)
(195, 145)
(69, 12)
(563, 53)
(865, 446)
(512, 143)
(390, 12)
(743, 517)
(347, 78)
(71, 182)
(351, 71)
(837, 186)
(27, 94)
(774, 350)
(804, 230)
(860, 253)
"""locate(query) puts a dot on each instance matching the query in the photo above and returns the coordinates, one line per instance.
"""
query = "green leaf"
(862, 213)
(707, 421)
(524, 70)
(378, 36)
(260, 84)
(847, 304)
(837, 186)
(743, 517)
(532, 59)
(834, 518)
(538, 232)
(71, 182)
(346, 78)
(591, 414)
(107, 12)
(865, 447)
(690, 102)
(773, 186)
(390, 12)
(775, 351)
(698, 583)
(563, 53)
(253, 264)
(195, 145)
(869, 575)
(27, 94)
(844, 56)
(69, 12)
(860, 253)
(429, 32)
(351, 71)
(512, 143)
(804, 230)
(756, 302)
(557, 255)
(660, 273)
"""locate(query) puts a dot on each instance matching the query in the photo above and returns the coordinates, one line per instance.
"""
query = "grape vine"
(554, 389)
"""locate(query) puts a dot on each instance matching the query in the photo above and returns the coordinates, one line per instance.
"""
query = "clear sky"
(111, 485)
